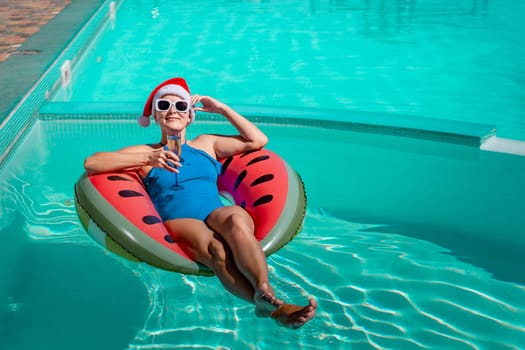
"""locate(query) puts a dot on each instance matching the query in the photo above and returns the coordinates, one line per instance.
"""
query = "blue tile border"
(464, 133)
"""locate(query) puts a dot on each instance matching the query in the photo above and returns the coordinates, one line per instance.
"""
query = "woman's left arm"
(250, 136)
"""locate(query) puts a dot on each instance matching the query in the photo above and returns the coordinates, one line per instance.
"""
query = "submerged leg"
(294, 316)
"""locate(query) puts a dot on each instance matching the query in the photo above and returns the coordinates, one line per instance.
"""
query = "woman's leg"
(206, 247)
(236, 227)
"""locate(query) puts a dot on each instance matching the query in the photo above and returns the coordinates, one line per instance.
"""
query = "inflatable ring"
(116, 211)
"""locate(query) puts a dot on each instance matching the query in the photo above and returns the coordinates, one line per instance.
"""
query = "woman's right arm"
(131, 158)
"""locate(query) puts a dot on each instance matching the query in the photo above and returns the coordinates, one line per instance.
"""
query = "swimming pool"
(410, 240)
(450, 60)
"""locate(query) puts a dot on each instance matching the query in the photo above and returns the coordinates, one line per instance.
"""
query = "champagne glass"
(175, 146)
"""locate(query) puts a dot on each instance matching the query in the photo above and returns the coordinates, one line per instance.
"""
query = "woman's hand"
(164, 159)
(250, 137)
(209, 104)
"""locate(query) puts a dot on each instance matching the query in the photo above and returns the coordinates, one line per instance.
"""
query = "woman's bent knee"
(217, 254)
(238, 228)
(230, 218)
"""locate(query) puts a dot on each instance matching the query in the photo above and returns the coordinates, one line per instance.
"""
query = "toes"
(270, 299)
(313, 303)
(265, 303)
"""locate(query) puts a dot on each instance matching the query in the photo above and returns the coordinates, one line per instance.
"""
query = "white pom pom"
(144, 121)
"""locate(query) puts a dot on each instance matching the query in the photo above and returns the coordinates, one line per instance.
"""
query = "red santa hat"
(174, 86)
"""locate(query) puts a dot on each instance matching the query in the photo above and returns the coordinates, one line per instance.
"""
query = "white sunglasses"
(164, 105)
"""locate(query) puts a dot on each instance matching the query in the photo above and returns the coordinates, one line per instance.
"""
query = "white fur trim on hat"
(172, 89)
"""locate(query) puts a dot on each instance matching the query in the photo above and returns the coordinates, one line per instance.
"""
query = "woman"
(182, 184)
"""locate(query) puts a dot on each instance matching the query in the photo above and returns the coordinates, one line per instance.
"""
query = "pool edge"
(464, 133)
(22, 108)
(20, 72)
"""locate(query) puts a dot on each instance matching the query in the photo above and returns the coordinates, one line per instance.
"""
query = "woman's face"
(172, 112)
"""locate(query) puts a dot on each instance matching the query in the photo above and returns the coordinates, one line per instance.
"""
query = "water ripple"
(48, 216)
(375, 290)
(400, 292)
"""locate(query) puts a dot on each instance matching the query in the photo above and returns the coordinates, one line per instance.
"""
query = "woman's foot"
(265, 301)
(294, 316)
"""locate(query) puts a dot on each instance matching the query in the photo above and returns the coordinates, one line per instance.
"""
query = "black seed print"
(262, 179)
(257, 159)
(130, 193)
(150, 219)
(243, 205)
(241, 177)
(225, 165)
(263, 200)
(169, 239)
(117, 178)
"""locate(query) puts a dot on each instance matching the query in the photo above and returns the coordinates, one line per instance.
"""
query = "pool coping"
(458, 132)
(79, 23)
(19, 72)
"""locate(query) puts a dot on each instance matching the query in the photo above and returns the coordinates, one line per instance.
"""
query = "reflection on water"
(378, 285)
(390, 18)
(376, 290)
(454, 60)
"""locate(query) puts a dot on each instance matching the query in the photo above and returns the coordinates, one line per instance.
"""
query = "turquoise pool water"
(408, 243)
(453, 60)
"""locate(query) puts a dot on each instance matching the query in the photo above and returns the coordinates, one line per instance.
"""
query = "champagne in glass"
(174, 144)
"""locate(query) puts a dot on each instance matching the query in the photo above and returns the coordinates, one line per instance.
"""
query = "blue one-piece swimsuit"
(191, 193)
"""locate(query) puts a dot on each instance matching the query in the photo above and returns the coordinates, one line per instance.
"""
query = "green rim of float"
(263, 183)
